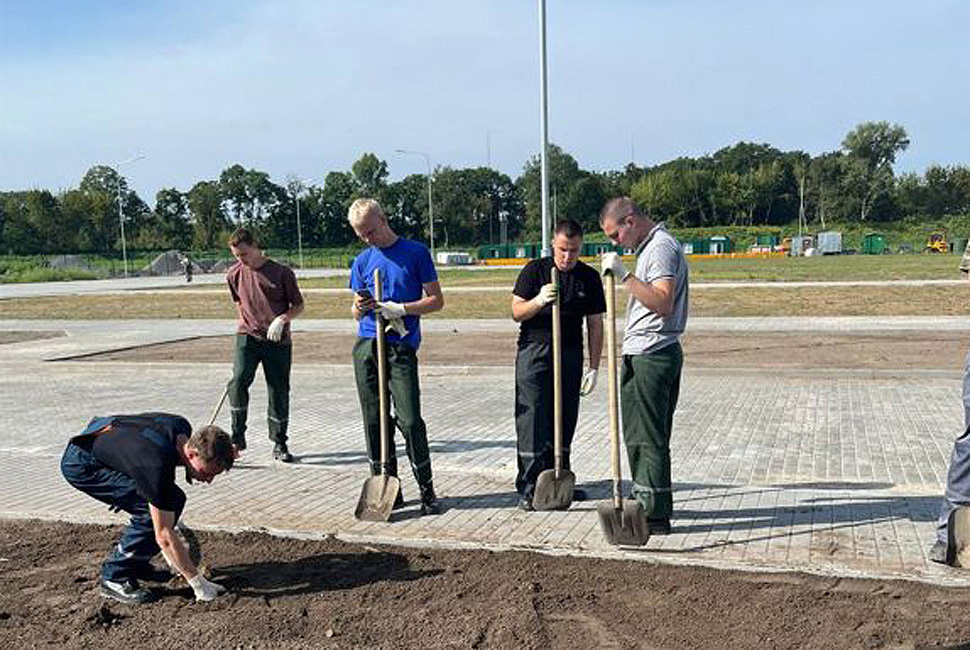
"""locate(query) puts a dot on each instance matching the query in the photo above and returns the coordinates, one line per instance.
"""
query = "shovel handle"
(556, 374)
(612, 384)
(381, 370)
(222, 399)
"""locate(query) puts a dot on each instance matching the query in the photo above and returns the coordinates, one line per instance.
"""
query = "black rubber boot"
(429, 502)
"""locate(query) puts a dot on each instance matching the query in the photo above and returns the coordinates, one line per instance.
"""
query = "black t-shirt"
(580, 294)
(142, 447)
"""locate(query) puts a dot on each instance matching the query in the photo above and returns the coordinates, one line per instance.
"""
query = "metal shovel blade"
(958, 538)
(626, 526)
(554, 493)
(377, 498)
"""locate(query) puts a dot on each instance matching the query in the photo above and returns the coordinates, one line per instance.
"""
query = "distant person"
(652, 357)
(409, 285)
(965, 262)
(187, 268)
(957, 493)
(128, 462)
(267, 299)
(582, 301)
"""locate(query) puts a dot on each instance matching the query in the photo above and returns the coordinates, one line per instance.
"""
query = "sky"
(304, 87)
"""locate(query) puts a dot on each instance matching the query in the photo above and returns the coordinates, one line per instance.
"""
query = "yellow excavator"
(937, 243)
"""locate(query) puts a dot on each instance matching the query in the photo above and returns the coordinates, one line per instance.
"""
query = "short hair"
(242, 236)
(568, 227)
(621, 207)
(360, 208)
(213, 444)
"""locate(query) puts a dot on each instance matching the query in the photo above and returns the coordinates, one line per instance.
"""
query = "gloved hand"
(275, 330)
(397, 325)
(589, 382)
(205, 590)
(547, 294)
(611, 263)
(391, 310)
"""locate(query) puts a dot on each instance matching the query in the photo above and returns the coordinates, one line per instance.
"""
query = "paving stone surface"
(836, 473)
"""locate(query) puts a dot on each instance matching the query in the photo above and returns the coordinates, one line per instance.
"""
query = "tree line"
(743, 184)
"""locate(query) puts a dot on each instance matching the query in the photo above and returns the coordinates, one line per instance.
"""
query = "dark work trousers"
(957, 492)
(649, 387)
(137, 546)
(276, 359)
(534, 409)
(405, 394)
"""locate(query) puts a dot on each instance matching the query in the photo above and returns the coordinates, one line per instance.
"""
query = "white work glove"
(611, 263)
(546, 294)
(391, 310)
(205, 590)
(275, 330)
(589, 382)
(397, 325)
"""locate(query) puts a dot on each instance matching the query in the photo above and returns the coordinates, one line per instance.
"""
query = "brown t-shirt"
(262, 295)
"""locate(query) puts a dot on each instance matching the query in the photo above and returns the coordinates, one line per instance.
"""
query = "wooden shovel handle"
(381, 370)
(557, 374)
(612, 384)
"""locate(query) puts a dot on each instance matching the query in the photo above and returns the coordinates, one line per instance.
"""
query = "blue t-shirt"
(406, 266)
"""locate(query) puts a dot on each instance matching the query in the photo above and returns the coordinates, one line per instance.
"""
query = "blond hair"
(360, 208)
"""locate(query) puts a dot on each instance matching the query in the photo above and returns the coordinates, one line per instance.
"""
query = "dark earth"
(287, 593)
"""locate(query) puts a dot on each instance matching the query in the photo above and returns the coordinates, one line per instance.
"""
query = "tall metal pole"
(299, 230)
(544, 119)
(121, 214)
(427, 160)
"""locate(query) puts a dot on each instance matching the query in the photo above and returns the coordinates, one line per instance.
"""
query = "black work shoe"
(579, 494)
(525, 503)
(398, 501)
(659, 526)
(429, 502)
(150, 573)
(938, 553)
(281, 453)
(239, 440)
(127, 592)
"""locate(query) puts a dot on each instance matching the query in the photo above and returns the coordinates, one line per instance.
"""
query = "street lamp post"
(297, 187)
(427, 160)
(121, 214)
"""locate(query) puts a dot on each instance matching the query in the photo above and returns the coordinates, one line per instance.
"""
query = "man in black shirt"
(581, 299)
(128, 462)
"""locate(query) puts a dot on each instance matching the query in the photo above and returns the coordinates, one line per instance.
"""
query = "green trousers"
(405, 394)
(649, 387)
(276, 359)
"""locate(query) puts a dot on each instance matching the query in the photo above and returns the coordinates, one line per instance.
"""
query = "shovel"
(379, 492)
(623, 521)
(554, 487)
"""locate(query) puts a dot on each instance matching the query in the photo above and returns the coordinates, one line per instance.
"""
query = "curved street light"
(121, 215)
(427, 160)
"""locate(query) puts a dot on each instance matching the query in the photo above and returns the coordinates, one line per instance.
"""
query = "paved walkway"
(836, 473)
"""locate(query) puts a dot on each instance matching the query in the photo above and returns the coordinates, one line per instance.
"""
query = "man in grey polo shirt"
(652, 357)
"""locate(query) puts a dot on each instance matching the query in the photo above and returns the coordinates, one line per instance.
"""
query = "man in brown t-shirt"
(267, 298)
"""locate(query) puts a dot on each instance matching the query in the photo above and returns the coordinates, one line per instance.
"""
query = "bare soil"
(768, 350)
(18, 336)
(287, 593)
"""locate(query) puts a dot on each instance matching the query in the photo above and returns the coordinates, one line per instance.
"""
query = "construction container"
(800, 244)
(874, 243)
(828, 243)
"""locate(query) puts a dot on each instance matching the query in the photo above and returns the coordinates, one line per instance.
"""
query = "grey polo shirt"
(658, 256)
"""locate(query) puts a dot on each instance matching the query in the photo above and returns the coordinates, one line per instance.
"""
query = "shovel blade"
(554, 493)
(626, 526)
(958, 542)
(377, 498)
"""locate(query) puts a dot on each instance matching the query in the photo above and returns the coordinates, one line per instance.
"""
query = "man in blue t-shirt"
(409, 286)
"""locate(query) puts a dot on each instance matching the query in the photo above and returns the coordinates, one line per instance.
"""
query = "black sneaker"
(938, 553)
(429, 502)
(239, 440)
(525, 503)
(127, 591)
(281, 453)
(399, 500)
(659, 526)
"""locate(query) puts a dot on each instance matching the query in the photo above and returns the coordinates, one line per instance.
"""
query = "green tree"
(209, 222)
(871, 149)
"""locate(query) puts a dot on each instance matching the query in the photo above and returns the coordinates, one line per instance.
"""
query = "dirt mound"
(288, 593)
